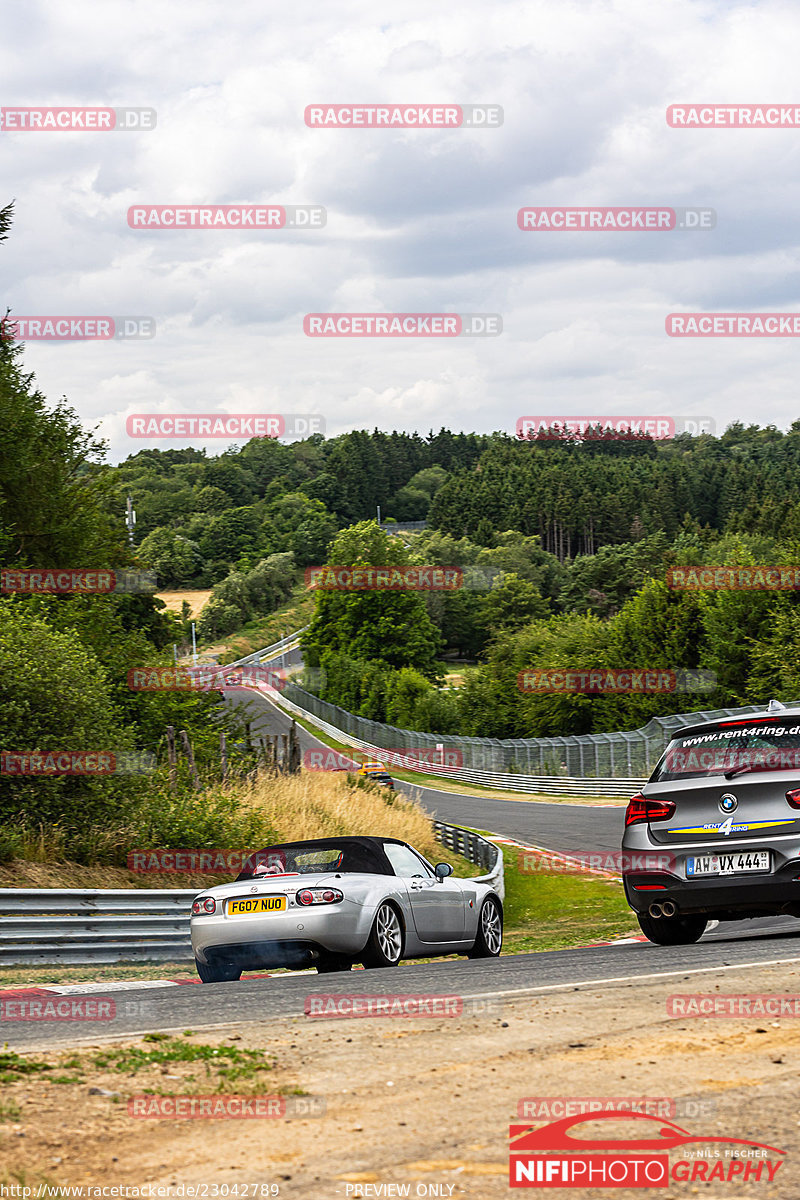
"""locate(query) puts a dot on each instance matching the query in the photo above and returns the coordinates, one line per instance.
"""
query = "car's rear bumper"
(719, 896)
(273, 939)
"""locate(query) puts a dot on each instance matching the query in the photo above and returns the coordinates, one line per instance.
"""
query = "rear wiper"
(740, 770)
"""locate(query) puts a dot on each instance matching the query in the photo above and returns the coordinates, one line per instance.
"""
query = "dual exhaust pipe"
(667, 909)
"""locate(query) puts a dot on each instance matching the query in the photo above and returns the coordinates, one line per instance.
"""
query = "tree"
(54, 498)
(54, 696)
(514, 602)
(386, 626)
(6, 215)
(175, 559)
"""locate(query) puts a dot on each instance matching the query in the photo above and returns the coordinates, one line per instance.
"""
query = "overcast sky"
(418, 220)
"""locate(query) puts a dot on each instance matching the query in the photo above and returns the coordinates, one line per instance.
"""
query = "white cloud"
(417, 220)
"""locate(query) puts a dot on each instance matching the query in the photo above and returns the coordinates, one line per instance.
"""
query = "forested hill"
(579, 497)
(199, 514)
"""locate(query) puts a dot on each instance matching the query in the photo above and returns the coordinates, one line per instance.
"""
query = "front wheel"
(672, 931)
(489, 941)
(222, 973)
(385, 945)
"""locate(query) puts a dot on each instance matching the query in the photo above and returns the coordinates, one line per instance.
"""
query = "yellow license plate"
(258, 904)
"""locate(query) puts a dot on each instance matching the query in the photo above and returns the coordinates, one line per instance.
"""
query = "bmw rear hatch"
(727, 780)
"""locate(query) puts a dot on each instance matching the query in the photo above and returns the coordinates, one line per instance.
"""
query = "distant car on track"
(716, 829)
(377, 773)
(331, 902)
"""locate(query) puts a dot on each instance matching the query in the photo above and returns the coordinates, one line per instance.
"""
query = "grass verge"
(554, 911)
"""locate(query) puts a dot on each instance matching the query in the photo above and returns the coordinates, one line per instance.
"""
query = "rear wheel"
(489, 941)
(385, 945)
(672, 931)
(219, 973)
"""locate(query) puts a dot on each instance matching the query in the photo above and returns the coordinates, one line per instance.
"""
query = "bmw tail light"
(319, 896)
(642, 810)
(794, 798)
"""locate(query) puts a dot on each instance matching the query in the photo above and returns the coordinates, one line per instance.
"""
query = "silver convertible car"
(335, 901)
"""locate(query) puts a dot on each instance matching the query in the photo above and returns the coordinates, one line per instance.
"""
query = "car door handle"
(417, 885)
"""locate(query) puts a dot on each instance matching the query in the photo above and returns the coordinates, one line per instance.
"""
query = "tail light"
(320, 896)
(794, 798)
(640, 809)
(204, 905)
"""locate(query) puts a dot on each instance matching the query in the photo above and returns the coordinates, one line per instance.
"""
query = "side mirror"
(443, 870)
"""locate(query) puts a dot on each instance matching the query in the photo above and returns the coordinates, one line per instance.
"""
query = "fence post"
(173, 758)
(187, 750)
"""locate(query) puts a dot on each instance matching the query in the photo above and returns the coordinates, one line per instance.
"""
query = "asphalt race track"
(174, 1009)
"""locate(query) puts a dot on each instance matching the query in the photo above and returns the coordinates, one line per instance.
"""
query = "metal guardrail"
(259, 655)
(80, 926)
(478, 850)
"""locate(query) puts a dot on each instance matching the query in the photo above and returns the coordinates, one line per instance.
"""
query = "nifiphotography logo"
(557, 1155)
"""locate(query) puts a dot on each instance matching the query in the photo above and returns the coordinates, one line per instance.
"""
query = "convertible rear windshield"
(732, 747)
(308, 858)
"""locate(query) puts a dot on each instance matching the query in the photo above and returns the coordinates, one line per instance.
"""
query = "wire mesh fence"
(592, 755)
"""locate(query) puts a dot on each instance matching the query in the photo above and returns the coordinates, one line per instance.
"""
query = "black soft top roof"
(369, 851)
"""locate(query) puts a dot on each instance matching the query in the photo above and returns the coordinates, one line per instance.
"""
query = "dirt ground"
(423, 1102)
(196, 601)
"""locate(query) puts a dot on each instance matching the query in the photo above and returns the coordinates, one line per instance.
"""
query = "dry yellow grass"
(313, 804)
(318, 804)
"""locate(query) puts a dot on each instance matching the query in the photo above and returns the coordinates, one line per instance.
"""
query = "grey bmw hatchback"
(715, 832)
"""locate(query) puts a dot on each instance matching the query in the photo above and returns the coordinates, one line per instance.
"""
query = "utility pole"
(194, 645)
(379, 514)
(130, 519)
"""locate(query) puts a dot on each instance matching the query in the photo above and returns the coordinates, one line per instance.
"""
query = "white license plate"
(740, 862)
